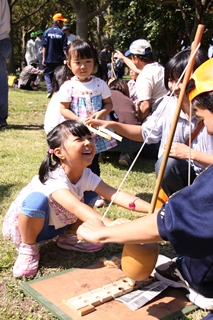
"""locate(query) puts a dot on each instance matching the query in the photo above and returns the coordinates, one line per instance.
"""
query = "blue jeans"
(5, 51)
(175, 175)
(48, 74)
(126, 145)
(36, 205)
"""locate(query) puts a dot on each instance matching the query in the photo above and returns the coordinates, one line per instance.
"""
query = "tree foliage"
(169, 25)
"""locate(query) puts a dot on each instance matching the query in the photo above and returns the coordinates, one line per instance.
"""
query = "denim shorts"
(36, 205)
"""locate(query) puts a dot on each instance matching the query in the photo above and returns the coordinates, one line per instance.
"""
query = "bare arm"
(142, 230)
(144, 110)
(130, 131)
(127, 61)
(107, 107)
(66, 112)
(182, 151)
(122, 198)
(82, 211)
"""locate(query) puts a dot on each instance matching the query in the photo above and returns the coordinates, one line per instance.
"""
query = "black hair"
(145, 57)
(203, 100)
(176, 65)
(61, 74)
(120, 85)
(84, 49)
(55, 139)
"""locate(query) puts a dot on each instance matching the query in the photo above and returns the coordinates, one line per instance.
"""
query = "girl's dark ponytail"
(50, 163)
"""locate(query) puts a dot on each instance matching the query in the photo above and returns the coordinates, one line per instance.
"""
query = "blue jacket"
(55, 42)
(186, 220)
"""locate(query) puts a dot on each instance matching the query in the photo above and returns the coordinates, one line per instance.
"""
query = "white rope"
(136, 157)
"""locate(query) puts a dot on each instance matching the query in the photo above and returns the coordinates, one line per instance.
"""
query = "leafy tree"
(28, 16)
(169, 25)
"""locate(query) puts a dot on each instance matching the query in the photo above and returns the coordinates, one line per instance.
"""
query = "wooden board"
(50, 291)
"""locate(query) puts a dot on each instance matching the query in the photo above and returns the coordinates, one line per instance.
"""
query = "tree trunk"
(23, 46)
(82, 22)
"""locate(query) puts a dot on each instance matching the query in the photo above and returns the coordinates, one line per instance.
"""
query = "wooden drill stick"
(112, 134)
(102, 134)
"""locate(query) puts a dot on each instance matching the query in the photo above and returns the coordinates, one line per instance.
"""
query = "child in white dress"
(87, 95)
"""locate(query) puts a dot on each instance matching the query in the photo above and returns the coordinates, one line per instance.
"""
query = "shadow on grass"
(5, 191)
(29, 126)
(54, 257)
(142, 164)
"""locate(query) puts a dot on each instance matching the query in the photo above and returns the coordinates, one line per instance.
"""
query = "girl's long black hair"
(61, 74)
(55, 139)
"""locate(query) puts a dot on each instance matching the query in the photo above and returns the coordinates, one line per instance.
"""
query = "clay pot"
(138, 260)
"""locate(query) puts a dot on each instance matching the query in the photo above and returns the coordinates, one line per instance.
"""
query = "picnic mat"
(50, 291)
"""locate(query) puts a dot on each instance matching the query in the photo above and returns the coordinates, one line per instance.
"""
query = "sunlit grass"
(22, 148)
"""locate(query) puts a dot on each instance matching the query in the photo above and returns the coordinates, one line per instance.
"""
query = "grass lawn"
(22, 148)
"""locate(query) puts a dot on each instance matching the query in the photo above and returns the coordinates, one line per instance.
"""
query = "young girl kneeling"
(54, 199)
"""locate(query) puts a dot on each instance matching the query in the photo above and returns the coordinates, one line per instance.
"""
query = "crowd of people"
(83, 93)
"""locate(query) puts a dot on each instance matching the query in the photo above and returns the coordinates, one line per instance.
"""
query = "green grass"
(22, 148)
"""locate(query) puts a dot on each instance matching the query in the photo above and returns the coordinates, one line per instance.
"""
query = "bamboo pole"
(187, 76)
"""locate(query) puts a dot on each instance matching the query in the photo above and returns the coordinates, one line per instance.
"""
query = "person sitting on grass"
(54, 200)
(186, 220)
(124, 112)
(28, 76)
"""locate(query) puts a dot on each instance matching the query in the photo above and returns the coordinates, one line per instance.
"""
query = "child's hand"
(96, 115)
(179, 150)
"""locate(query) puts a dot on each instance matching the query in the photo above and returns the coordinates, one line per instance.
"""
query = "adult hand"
(119, 221)
(120, 55)
(96, 122)
(88, 230)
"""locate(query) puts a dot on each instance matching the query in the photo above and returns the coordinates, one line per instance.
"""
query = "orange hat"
(203, 77)
(59, 17)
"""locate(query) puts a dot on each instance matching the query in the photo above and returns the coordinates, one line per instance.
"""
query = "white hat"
(140, 46)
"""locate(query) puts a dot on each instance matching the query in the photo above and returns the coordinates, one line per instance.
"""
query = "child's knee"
(35, 205)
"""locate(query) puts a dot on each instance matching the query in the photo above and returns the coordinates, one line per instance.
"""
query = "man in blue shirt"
(54, 42)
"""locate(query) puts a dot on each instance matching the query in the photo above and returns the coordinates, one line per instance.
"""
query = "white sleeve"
(91, 180)
(144, 86)
(65, 92)
(53, 115)
(106, 92)
(152, 127)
